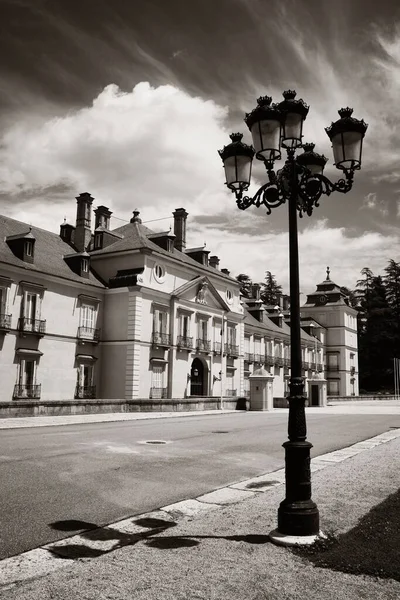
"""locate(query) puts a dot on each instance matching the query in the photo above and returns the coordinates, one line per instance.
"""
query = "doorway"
(314, 395)
(198, 378)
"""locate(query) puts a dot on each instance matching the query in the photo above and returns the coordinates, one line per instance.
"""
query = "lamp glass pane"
(292, 129)
(266, 138)
(346, 148)
(315, 169)
(237, 170)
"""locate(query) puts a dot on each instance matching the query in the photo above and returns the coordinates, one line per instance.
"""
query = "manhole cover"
(220, 432)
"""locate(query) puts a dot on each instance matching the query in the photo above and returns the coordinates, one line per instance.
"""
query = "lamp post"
(301, 184)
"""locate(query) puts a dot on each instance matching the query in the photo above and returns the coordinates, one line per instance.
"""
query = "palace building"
(130, 313)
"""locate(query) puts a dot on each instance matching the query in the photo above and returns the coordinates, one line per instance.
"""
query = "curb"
(96, 542)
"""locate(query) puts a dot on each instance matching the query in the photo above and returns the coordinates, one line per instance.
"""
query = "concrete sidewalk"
(216, 547)
(390, 407)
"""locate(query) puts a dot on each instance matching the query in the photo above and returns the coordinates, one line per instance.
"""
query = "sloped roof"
(50, 250)
(136, 237)
(271, 327)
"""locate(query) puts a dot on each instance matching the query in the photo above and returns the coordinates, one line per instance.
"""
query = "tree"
(352, 297)
(271, 291)
(245, 285)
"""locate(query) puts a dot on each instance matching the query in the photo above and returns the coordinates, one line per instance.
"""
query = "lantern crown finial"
(264, 100)
(289, 94)
(308, 147)
(236, 137)
(345, 112)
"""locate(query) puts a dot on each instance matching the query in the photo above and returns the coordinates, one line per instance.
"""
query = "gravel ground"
(225, 553)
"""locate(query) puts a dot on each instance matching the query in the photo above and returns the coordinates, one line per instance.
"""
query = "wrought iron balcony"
(185, 342)
(203, 345)
(249, 357)
(27, 391)
(32, 326)
(88, 334)
(5, 322)
(158, 393)
(279, 361)
(305, 365)
(85, 391)
(231, 393)
(286, 362)
(320, 367)
(313, 366)
(269, 360)
(217, 347)
(160, 339)
(232, 350)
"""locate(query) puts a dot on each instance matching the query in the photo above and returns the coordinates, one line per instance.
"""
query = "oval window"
(159, 273)
(229, 296)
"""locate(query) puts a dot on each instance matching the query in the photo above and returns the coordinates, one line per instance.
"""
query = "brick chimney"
(214, 262)
(83, 233)
(225, 271)
(102, 218)
(180, 216)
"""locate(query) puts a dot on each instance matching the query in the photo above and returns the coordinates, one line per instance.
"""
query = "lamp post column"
(297, 514)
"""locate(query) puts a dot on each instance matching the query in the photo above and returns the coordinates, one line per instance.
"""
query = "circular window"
(229, 296)
(159, 273)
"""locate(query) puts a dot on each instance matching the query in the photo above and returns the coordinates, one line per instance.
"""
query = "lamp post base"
(281, 539)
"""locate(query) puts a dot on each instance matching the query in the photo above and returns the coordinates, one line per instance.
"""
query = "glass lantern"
(237, 158)
(311, 160)
(294, 114)
(264, 123)
(346, 136)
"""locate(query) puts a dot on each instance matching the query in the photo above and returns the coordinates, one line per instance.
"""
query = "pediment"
(201, 292)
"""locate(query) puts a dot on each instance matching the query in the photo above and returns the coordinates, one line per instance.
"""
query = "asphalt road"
(101, 472)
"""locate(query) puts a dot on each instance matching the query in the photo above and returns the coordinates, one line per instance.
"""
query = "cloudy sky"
(131, 99)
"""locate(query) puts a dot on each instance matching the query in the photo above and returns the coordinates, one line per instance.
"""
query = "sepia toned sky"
(131, 99)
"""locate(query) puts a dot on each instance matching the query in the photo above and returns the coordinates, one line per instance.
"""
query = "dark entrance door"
(314, 395)
(197, 378)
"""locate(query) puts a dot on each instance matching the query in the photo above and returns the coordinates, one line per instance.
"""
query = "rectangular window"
(231, 336)
(185, 326)
(160, 321)
(247, 345)
(88, 316)
(333, 361)
(85, 375)
(157, 381)
(27, 372)
(333, 387)
(28, 248)
(203, 330)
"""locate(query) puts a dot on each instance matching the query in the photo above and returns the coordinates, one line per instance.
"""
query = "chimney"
(214, 262)
(225, 271)
(180, 216)
(83, 232)
(255, 291)
(67, 233)
(102, 218)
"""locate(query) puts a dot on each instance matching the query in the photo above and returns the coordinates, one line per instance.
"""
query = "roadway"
(100, 472)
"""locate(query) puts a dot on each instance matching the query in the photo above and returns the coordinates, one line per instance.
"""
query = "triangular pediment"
(201, 292)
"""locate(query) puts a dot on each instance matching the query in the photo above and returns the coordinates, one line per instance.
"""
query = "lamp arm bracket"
(269, 195)
(312, 187)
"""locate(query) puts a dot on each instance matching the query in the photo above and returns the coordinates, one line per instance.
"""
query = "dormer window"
(29, 248)
(98, 240)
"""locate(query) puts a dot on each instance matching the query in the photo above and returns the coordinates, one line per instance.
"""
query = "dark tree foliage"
(378, 327)
(271, 291)
(245, 284)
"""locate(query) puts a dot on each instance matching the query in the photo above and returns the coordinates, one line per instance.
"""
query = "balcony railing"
(88, 334)
(5, 322)
(249, 357)
(217, 347)
(286, 362)
(203, 345)
(85, 391)
(27, 391)
(352, 370)
(269, 360)
(230, 393)
(279, 361)
(332, 367)
(160, 339)
(313, 366)
(231, 350)
(158, 393)
(320, 367)
(185, 342)
(305, 365)
(34, 326)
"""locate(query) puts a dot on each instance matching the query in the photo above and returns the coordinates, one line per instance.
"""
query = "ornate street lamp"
(301, 183)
